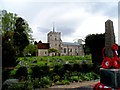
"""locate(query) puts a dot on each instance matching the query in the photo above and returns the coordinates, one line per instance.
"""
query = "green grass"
(52, 59)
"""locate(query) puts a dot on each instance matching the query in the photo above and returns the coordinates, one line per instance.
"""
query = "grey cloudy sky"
(74, 19)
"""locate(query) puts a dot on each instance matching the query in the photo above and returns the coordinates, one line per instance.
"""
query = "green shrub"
(59, 70)
(36, 83)
(22, 71)
(13, 73)
(45, 70)
(68, 67)
(87, 67)
(74, 78)
(65, 82)
(96, 76)
(58, 83)
(56, 78)
(36, 71)
(40, 71)
(45, 82)
(76, 67)
(89, 76)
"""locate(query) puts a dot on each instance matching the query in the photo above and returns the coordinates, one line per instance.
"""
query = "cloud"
(73, 20)
(42, 30)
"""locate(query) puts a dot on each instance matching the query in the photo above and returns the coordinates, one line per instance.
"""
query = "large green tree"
(8, 23)
(95, 43)
(7, 31)
(8, 51)
(20, 37)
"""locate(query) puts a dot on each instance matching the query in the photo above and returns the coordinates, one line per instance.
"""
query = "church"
(64, 48)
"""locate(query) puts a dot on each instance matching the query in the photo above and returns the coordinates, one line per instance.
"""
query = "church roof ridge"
(70, 43)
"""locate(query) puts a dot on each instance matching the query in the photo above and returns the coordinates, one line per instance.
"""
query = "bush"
(89, 76)
(36, 71)
(63, 82)
(96, 76)
(66, 82)
(36, 83)
(45, 82)
(56, 78)
(87, 68)
(74, 78)
(58, 83)
(59, 70)
(45, 70)
(76, 67)
(22, 71)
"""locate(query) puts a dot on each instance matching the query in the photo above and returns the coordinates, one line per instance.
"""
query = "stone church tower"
(64, 48)
(54, 39)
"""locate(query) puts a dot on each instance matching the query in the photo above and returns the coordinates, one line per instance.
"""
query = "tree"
(35, 43)
(53, 50)
(30, 49)
(20, 37)
(86, 49)
(8, 23)
(95, 42)
(8, 51)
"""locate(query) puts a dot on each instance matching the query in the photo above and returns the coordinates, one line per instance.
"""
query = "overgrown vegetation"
(43, 72)
(94, 43)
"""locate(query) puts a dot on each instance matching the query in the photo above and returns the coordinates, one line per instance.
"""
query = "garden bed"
(44, 72)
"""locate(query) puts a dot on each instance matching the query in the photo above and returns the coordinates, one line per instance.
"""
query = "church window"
(45, 53)
(64, 50)
(55, 38)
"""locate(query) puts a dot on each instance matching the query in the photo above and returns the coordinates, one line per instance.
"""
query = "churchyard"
(44, 72)
(20, 72)
(47, 71)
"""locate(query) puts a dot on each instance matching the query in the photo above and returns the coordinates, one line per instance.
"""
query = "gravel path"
(82, 85)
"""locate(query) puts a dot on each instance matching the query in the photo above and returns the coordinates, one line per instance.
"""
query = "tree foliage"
(20, 38)
(30, 49)
(8, 22)
(53, 51)
(10, 26)
(8, 51)
(95, 42)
